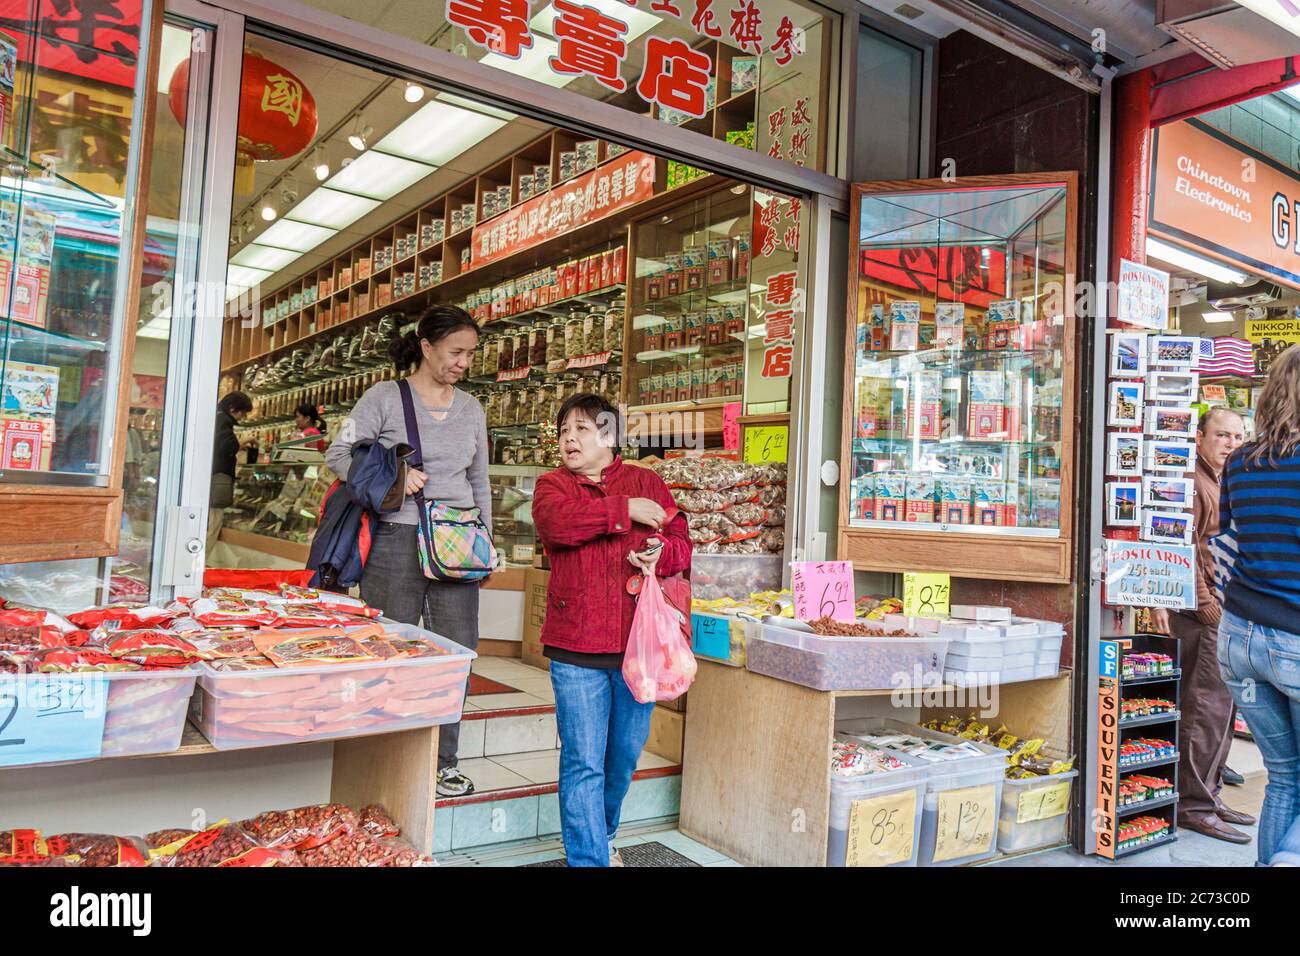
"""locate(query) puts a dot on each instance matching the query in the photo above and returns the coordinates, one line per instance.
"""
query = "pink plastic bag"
(658, 663)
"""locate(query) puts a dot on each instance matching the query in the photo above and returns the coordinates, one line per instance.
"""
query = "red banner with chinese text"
(623, 182)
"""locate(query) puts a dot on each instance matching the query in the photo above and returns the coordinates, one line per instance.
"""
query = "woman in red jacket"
(599, 519)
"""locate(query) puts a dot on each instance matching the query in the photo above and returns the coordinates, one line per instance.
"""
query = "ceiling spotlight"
(739, 189)
(234, 237)
(413, 93)
(359, 138)
(289, 196)
(268, 210)
(320, 164)
(247, 223)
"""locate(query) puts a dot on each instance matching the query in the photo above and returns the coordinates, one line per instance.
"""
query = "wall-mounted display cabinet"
(959, 395)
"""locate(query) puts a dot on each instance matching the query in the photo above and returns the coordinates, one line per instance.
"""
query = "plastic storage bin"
(843, 663)
(144, 710)
(718, 637)
(1022, 824)
(967, 787)
(845, 791)
(736, 576)
(237, 709)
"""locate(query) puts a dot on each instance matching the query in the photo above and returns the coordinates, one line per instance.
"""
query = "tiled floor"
(539, 766)
(540, 851)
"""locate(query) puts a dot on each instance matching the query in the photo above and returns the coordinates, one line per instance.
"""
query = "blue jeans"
(1261, 666)
(602, 732)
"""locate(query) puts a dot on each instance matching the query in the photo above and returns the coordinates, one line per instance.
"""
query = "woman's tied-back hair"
(1277, 415)
(437, 322)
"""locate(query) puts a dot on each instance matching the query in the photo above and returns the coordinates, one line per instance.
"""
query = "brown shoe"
(1229, 815)
(1212, 826)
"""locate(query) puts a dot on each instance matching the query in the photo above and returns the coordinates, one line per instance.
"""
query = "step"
(517, 798)
(509, 709)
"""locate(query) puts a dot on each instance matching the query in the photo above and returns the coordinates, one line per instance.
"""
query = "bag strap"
(415, 459)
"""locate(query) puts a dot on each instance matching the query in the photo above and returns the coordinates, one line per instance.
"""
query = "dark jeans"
(394, 583)
(1205, 730)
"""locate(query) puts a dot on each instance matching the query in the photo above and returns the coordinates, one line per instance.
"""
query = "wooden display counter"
(756, 762)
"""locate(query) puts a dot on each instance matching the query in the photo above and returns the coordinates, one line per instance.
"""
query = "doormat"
(479, 684)
(641, 854)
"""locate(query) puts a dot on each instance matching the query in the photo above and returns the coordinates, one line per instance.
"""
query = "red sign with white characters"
(619, 183)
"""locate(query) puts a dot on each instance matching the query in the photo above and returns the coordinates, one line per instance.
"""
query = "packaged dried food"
(770, 495)
(159, 648)
(161, 838)
(772, 540)
(212, 613)
(354, 849)
(775, 517)
(22, 846)
(378, 823)
(121, 616)
(98, 849)
(223, 844)
(747, 515)
(66, 660)
(330, 601)
(316, 646)
(304, 827)
(699, 500)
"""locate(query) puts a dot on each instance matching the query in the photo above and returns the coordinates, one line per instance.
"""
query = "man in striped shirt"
(1205, 731)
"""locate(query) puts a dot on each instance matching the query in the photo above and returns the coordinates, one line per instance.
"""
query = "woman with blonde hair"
(1259, 634)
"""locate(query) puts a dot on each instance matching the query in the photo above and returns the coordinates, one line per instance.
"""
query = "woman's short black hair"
(235, 402)
(599, 409)
(308, 410)
(435, 323)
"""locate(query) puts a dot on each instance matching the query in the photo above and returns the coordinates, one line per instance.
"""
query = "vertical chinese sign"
(777, 295)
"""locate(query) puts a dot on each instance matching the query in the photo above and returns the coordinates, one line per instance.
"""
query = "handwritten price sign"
(765, 444)
(882, 830)
(45, 718)
(1044, 803)
(926, 595)
(731, 426)
(823, 589)
(966, 821)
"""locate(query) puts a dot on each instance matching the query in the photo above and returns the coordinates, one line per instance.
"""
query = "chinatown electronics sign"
(98, 40)
(623, 182)
(1225, 199)
(778, 236)
(593, 42)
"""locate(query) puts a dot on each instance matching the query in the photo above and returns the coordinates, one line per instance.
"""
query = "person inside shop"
(308, 421)
(231, 410)
(1205, 731)
(1259, 637)
(455, 451)
(599, 520)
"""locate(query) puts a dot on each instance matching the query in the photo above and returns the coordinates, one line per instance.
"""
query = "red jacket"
(587, 532)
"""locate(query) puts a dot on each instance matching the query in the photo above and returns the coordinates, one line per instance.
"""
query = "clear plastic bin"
(718, 637)
(846, 790)
(962, 662)
(735, 576)
(264, 708)
(1029, 799)
(996, 647)
(144, 710)
(843, 663)
(945, 777)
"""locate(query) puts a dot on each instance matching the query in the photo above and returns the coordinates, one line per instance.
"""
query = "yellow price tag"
(1043, 803)
(967, 818)
(766, 443)
(926, 595)
(882, 830)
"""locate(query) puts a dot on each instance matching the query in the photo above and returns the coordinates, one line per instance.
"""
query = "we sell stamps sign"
(1139, 574)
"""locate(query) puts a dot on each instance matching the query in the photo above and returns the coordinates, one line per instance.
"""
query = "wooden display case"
(958, 442)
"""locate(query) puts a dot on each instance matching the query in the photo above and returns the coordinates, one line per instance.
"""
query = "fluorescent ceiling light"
(264, 257)
(1213, 317)
(378, 175)
(483, 108)
(534, 63)
(437, 133)
(331, 208)
(176, 43)
(298, 236)
(157, 328)
(638, 21)
(1191, 261)
(244, 276)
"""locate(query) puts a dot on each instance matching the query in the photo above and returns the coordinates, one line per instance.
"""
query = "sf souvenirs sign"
(628, 180)
(1234, 203)
(1140, 574)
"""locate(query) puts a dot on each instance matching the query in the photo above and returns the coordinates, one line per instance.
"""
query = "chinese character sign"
(778, 238)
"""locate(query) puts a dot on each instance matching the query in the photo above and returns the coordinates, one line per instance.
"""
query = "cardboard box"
(535, 585)
(667, 733)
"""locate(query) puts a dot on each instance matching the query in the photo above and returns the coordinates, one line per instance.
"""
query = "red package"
(300, 615)
(22, 846)
(235, 578)
(97, 849)
(329, 601)
(218, 646)
(11, 664)
(356, 849)
(161, 838)
(212, 613)
(151, 647)
(378, 822)
(303, 828)
(121, 617)
(65, 660)
(223, 844)
(318, 646)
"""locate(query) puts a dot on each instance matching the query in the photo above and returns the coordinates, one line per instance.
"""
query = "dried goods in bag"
(223, 844)
(161, 838)
(151, 647)
(67, 660)
(318, 646)
(303, 827)
(698, 500)
(99, 849)
(378, 822)
(121, 617)
(658, 663)
(747, 514)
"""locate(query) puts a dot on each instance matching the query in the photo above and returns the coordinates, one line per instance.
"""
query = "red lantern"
(277, 114)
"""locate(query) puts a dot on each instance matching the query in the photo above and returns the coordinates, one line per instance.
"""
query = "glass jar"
(491, 355)
(475, 364)
(555, 342)
(614, 327)
(573, 335)
(537, 345)
(593, 332)
(507, 361)
(508, 455)
(521, 350)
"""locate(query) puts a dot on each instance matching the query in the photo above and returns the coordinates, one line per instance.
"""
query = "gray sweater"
(455, 450)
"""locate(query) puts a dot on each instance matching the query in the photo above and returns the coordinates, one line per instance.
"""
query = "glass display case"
(513, 533)
(959, 424)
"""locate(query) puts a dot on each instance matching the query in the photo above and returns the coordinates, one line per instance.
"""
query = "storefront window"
(758, 73)
(68, 115)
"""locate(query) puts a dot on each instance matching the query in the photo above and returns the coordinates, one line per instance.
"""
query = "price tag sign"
(711, 636)
(823, 589)
(766, 443)
(1043, 803)
(967, 818)
(882, 830)
(731, 426)
(45, 718)
(925, 595)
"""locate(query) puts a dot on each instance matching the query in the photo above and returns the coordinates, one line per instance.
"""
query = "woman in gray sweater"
(455, 449)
